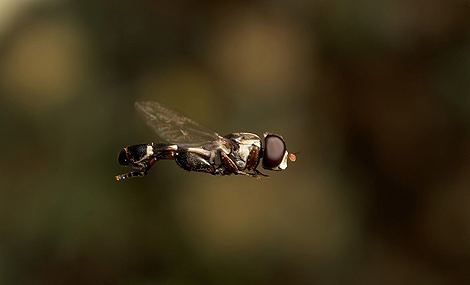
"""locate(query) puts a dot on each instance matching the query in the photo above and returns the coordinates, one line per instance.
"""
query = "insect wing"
(172, 126)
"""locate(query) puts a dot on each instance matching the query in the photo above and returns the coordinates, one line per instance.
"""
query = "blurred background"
(373, 95)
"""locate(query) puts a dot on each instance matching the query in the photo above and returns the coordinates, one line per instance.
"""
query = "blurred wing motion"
(172, 126)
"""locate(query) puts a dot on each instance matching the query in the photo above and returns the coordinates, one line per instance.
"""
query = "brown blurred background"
(374, 95)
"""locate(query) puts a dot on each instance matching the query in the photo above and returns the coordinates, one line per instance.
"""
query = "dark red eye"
(274, 149)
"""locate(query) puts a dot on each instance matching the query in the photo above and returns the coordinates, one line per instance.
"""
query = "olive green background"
(373, 96)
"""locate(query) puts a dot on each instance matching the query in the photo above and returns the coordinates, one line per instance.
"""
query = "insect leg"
(147, 166)
(253, 161)
(193, 162)
(152, 153)
(232, 167)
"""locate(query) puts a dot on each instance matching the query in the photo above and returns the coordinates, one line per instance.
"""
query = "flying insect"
(196, 148)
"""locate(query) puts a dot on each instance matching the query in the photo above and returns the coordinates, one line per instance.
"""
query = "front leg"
(259, 173)
(232, 167)
(253, 161)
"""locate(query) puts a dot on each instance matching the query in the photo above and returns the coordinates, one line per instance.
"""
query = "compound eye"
(274, 151)
(122, 158)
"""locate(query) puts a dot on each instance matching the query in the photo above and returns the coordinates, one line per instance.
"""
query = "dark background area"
(373, 95)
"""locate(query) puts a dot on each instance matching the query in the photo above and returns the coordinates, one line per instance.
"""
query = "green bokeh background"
(373, 95)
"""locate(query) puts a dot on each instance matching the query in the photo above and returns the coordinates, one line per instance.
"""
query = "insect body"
(196, 148)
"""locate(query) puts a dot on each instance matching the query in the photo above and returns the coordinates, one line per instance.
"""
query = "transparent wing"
(172, 126)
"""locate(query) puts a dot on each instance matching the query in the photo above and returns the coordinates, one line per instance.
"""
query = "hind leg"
(193, 162)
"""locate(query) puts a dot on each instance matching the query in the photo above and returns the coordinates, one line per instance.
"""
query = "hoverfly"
(196, 148)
